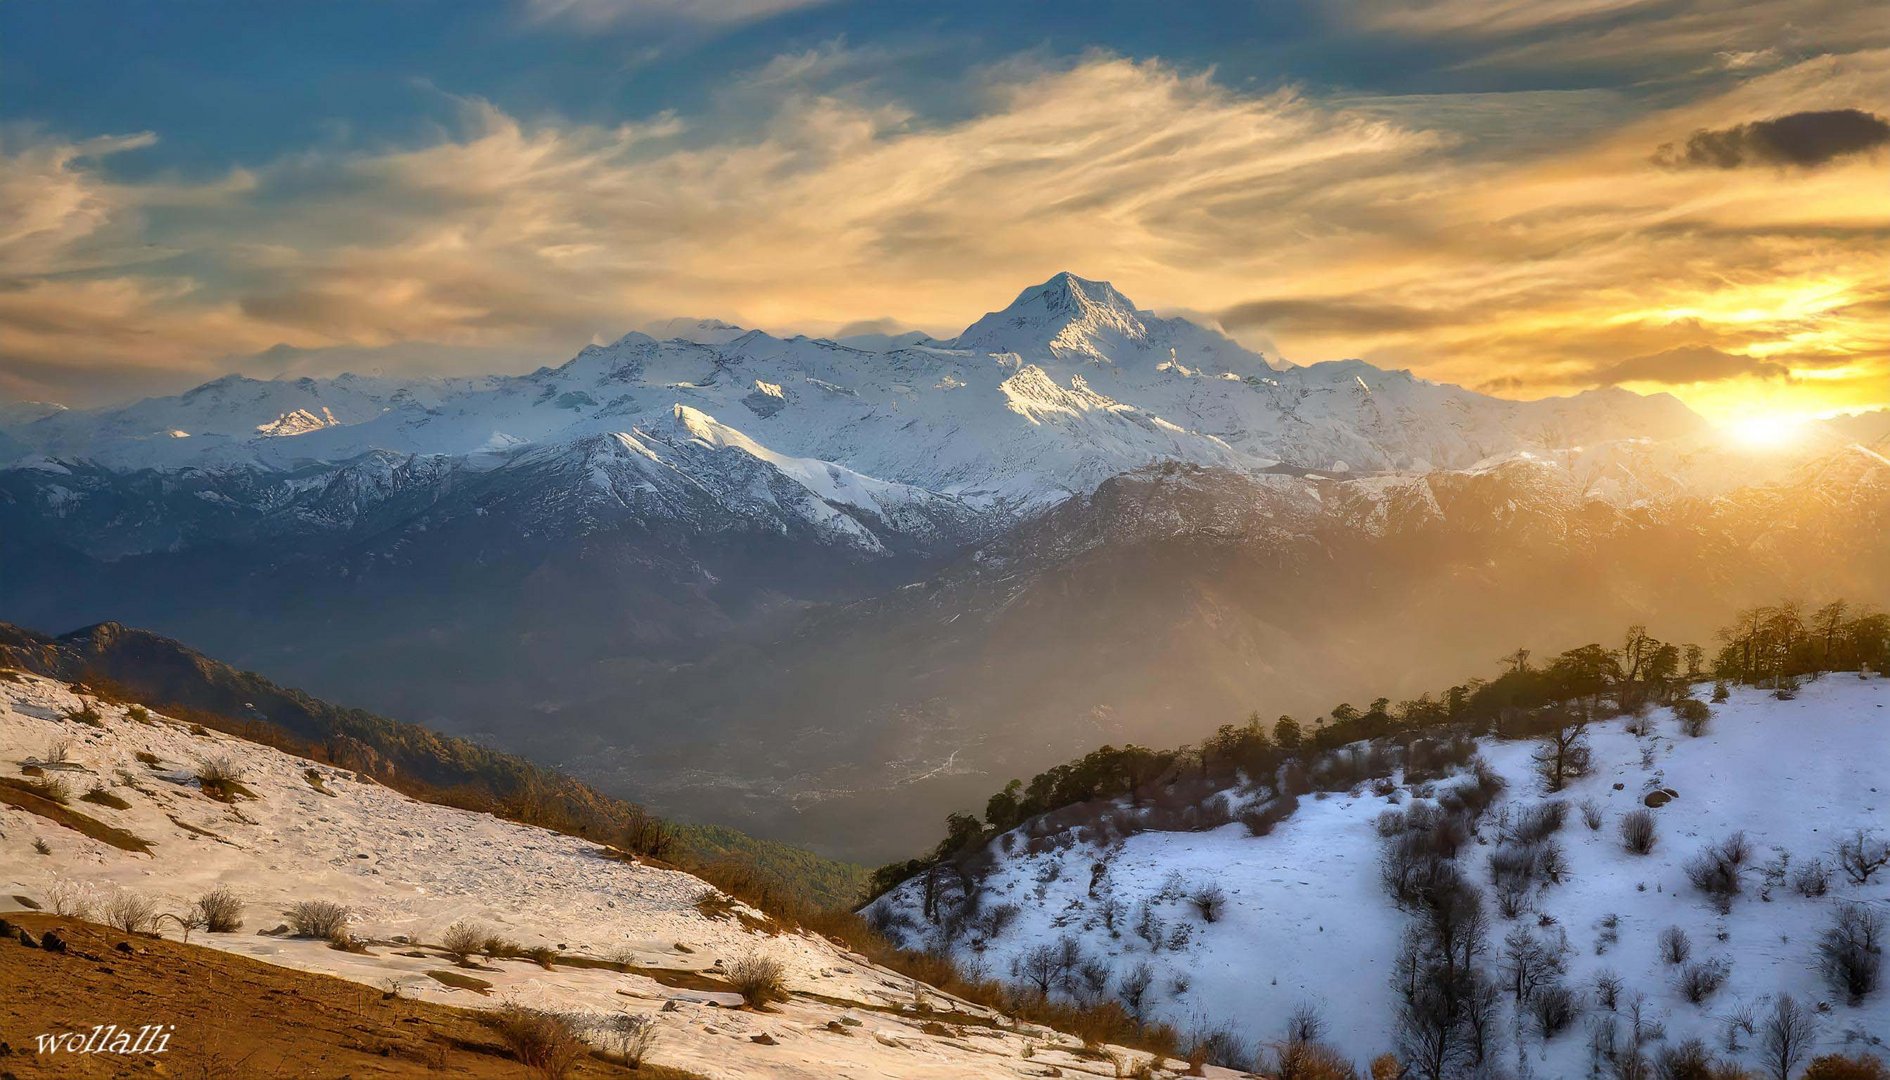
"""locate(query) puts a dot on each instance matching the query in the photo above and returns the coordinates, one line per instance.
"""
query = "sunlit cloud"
(595, 14)
(1316, 228)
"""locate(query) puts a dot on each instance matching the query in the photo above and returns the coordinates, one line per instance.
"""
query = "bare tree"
(1785, 1036)
(1563, 756)
(1041, 966)
(1862, 854)
(1850, 952)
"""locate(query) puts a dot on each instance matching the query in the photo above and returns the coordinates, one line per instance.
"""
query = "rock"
(281, 929)
(6, 928)
(27, 939)
(838, 1028)
(669, 1006)
(125, 947)
(52, 942)
(763, 1039)
(851, 1021)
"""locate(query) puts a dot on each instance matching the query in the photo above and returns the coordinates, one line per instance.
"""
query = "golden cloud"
(1319, 229)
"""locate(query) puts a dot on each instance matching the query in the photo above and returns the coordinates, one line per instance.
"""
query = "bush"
(320, 919)
(130, 912)
(1862, 854)
(1553, 1008)
(633, 1034)
(50, 788)
(463, 939)
(1607, 989)
(1260, 821)
(759, 979)
(71, 899)
(1839, 1067)
(1591, 815)
(1638, 832)
(1850, 951)
(1209, 900)
(1693, 715)
(543, 1042)
(220, 910)
(1539, 822)
(1813, 879)
(1701, 980)
(222, 778)
(1674, 946)
(1715, 871)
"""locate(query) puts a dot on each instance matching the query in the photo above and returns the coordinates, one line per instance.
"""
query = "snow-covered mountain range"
(1069, 385)
(736, 574)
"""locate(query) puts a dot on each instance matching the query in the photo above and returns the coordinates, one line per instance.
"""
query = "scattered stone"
(763, 1039)
(27, 939)
(124, 947)
(51, 941)
(669, 1006)
(281, 929)
(851, 1021)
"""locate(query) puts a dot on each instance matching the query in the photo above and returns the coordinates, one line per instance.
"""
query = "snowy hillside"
(622, 936)
(1303, 919)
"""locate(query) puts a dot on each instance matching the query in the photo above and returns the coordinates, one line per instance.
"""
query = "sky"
(1526, 197)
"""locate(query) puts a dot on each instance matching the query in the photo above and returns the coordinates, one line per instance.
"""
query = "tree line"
(1773, 645)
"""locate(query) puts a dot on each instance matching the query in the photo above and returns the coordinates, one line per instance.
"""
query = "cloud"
(596, 14)
(1803, 140)
(1689, 364)
(1349, 314)
(1312, 228)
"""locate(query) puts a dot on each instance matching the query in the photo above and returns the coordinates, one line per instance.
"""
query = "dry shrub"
(463, 939)
(633, 1034)
(1840, 1067)
(1638, 831)
(221, 910)
(543, 1042)
(759, 979)
(320, 919)
(130, 912)
(221, 778)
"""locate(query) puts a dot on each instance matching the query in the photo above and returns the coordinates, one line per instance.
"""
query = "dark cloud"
(1805, 140)
(1314, 316)
(1689, 364)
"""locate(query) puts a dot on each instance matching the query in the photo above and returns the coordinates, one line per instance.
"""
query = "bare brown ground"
(235, 1018)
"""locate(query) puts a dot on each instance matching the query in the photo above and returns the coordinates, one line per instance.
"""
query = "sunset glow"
(1529, 205)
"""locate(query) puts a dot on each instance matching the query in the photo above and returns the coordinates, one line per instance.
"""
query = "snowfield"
(1306, 920)
(410, 869)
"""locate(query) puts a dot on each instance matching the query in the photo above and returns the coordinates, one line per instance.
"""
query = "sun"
(1766, 431)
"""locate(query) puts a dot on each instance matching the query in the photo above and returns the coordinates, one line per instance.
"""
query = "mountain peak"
(1066, 314)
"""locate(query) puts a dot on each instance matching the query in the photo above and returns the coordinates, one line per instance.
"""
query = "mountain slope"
(618, 935)
(144, 667)
(1305, 920)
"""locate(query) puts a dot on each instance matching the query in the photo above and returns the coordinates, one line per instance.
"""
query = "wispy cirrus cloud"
(597, 14)
(1316, 227)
